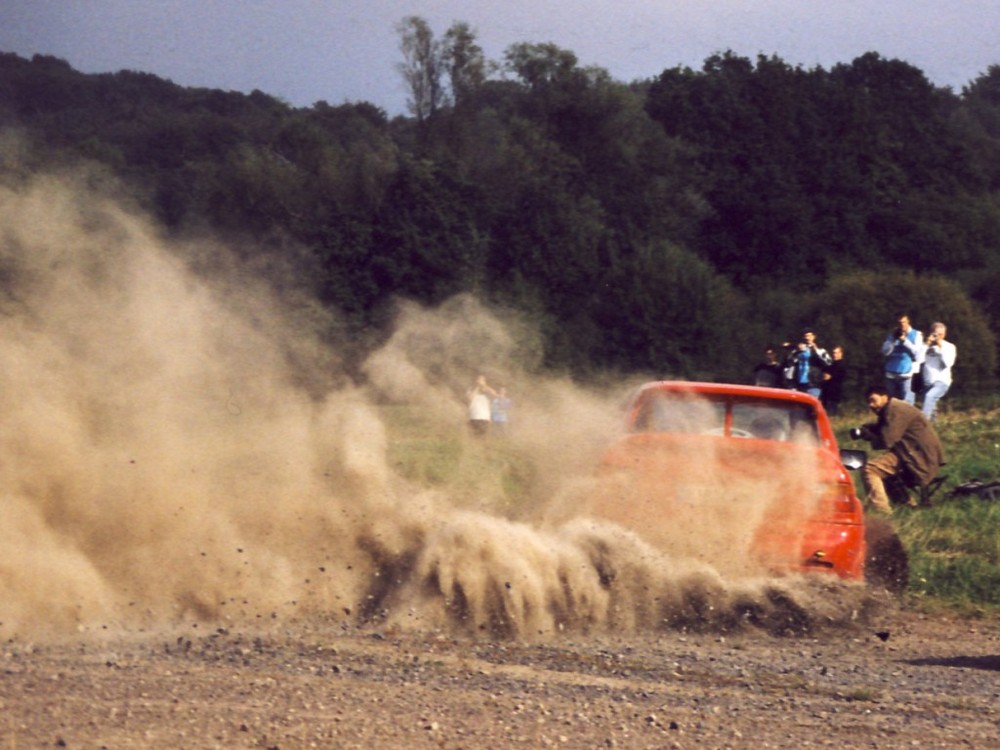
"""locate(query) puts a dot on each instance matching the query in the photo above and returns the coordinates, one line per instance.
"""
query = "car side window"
(803, 425)
(761, 420)
(774, 421)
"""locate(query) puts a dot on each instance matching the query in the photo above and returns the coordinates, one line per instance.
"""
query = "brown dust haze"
(177, 447)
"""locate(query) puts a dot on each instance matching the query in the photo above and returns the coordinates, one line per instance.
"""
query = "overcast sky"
(302, 51)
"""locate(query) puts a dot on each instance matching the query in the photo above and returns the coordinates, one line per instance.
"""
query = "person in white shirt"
(939, 358)
(479, 406)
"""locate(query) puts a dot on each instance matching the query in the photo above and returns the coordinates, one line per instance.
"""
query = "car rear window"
(751, 418)
(680, 413)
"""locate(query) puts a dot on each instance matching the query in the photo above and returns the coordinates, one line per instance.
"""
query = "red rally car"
(744, 478)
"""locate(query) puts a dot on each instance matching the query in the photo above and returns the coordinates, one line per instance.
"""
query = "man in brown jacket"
(913, 450)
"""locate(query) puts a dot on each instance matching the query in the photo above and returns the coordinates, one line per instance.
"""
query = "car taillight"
(839, 502)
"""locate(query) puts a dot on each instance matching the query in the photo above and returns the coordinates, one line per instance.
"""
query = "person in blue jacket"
(903, 350)
(807, 363)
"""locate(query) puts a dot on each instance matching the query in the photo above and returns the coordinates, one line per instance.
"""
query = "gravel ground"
(917, 681)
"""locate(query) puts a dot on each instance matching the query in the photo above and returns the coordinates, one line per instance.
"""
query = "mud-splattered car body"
(739, 476)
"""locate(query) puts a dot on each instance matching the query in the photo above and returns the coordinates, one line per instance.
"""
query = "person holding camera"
(806, 364)
(938, 361)
(903, 350)
(913, 451)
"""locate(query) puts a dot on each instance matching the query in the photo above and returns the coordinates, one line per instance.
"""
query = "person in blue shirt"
(500, 408)
(903, 350)
(807, 362)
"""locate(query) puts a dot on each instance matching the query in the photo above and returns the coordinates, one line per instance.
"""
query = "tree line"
(673, 226)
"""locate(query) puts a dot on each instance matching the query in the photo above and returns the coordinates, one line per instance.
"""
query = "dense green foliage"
(672, 226)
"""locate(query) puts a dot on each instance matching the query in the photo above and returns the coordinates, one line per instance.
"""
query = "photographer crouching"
(912, 449)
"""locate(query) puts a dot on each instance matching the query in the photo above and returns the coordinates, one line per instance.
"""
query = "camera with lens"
(857, 433)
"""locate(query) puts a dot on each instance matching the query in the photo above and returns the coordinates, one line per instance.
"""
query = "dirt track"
(920, 682)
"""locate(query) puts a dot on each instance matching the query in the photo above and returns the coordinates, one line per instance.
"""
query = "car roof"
(726, 390)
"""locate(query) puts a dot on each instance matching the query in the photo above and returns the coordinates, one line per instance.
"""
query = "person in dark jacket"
(833, 382)
(912, 448)
(769, 373)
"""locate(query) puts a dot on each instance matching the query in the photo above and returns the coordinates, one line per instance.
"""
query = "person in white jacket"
(939, 358)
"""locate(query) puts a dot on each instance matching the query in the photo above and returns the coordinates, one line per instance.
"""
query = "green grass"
(954, 547)
(487, 474)
(954, 553)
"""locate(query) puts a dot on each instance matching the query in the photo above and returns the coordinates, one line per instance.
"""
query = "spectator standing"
(479, 406)
(833, 382)
(903, 350)
(500, 408)
(912, 448)
(939, 358)
(808, 361)
(770, 373)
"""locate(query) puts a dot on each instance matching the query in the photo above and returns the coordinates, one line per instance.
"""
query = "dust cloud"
(177, 447)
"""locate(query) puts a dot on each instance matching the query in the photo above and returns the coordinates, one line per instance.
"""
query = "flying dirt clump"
(181, 447)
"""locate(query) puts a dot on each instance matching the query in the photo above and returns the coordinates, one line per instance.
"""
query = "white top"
(479, 406)
(938, 361)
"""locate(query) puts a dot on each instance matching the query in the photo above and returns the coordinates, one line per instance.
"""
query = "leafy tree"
(464, 60)
(753, 126)
(978, 121)
(422, 67)
(541, 65)
(664, 311)
(811, 172)
(425, 242)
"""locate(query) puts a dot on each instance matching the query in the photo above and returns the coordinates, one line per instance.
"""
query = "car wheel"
(887, 565)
